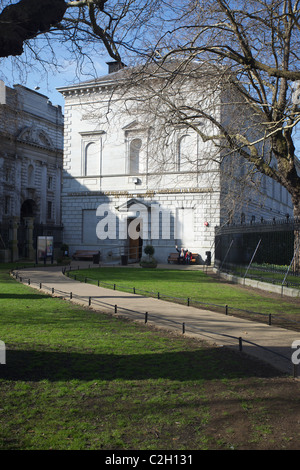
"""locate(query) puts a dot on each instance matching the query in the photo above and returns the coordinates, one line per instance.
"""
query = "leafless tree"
(253, 45)
(255, 48)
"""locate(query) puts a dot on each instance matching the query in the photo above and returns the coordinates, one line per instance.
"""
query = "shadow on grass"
(207, 364)
(23, 296)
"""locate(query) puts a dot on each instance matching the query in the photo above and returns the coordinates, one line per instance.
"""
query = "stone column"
(29, 238)
(14, 238)
(43, 200)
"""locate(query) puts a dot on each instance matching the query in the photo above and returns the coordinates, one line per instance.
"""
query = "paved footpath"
(267, 343)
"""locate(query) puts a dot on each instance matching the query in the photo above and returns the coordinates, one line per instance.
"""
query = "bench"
(173, 257)
(87, 254)
(195, 258)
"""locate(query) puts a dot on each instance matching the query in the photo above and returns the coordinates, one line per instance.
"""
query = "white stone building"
(31, 156)
(127, 166)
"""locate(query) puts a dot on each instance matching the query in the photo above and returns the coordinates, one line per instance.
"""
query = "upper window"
(186, 153)
(134, 156)
(92, 159)
(49, 210)
(91, 153)
(30, 176)
(7, 205)
(50, 182)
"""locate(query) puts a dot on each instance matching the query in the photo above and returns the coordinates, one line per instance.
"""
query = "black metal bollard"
(295, 371)
(146, 317)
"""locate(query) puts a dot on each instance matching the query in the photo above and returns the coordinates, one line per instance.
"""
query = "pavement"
(265, 342)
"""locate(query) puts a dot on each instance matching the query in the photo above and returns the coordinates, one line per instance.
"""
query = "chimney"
(115, 66)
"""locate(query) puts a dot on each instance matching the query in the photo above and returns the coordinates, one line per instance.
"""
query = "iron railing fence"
(254, 250)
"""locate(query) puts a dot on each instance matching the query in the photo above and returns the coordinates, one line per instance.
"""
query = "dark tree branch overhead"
(25, 20)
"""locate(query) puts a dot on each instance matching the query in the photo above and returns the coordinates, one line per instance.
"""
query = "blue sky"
(50, 79)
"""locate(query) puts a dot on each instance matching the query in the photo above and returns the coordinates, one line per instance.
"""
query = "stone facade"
(31, 159)
(119, 169)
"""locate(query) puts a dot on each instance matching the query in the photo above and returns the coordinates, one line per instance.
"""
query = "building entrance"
(25, 230)
(135, 245)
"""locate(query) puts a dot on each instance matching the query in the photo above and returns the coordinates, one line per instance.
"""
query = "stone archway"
(28, 209)
(25, 230)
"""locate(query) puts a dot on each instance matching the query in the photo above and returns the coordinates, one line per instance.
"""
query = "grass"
(196, 285)
(79, 380)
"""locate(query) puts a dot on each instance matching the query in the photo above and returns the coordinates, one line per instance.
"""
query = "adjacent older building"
(31, 155)
(135, 176)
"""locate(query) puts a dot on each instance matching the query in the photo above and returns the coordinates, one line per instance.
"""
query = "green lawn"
(196, 285)
(76, 379)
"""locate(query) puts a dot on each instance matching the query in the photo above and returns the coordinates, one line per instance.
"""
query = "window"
(50, 182)
(49, 210)
(7, 205)
(186, 153)
(134, 156)
(7, 175)
(92, 159)
(91, 149)
(31, 176)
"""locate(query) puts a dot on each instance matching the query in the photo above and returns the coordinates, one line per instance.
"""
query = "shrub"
(149, 262)
(149, 250)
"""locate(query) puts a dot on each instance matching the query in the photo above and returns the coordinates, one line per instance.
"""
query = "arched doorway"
(135, 245)
(28, 210)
